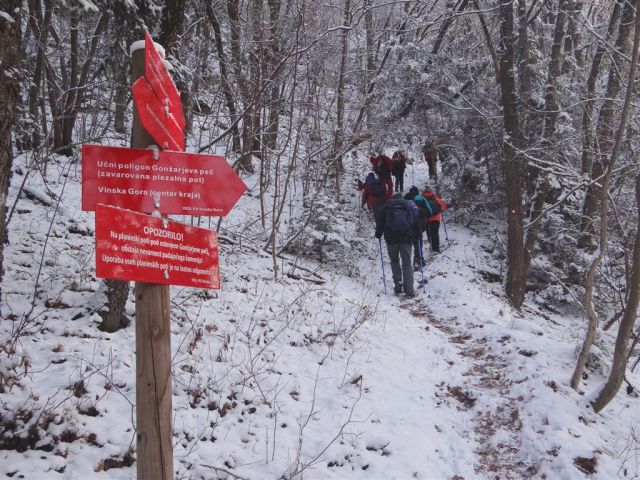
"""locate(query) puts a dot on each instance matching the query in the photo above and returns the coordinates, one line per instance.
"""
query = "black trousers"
(433, 234)
(399, 177)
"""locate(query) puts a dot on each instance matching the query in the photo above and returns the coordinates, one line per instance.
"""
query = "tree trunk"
(75, 83)
(604, 133)
(625, 331)
(462, 4)
(620, 355)
(40, 28)
(540, 184)
(171, 24)
(10, 55)
(117, 294)
(275, 101)
(338, 133)
(245, 162)
(589, 96)
(603, 191)
(224, 77)
(370, 65)
(516, 272)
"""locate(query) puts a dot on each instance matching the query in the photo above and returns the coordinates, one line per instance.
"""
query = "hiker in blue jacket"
(398, 221)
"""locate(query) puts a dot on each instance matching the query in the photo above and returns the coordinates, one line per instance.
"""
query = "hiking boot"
(397, 288)
(410, 295)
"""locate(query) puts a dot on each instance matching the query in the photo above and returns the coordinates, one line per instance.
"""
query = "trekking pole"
(444, 224)
(384, 280)
(422, 266)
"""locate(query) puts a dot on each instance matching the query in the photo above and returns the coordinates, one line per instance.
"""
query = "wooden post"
(153, 351)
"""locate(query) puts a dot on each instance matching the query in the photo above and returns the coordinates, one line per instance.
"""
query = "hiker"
(398, 221)
(435, 205)
(382, 165)
(398, 166)
(418, 257)
(374, 193)
(431, 157)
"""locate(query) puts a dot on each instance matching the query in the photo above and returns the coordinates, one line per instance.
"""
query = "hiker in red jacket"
(433, 222)
(382, 165)
(373, 193)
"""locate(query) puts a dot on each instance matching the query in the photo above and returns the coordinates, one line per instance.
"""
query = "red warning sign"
(138, 247)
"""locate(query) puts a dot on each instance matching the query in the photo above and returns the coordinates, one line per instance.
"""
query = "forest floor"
(315, 374)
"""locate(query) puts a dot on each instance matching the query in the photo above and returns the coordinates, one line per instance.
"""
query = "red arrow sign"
(187, 183)
(138, 247)
(161, 81)
(154, 117)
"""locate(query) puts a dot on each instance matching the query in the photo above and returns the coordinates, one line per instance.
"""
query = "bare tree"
(10, 62)
(604, 169)
(604, 135)
(516, 270)
(625, 330)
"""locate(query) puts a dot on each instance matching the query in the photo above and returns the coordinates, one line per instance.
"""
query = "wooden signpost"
(151, 250)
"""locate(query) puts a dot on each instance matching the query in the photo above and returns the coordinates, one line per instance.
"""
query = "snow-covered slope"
(315, 374)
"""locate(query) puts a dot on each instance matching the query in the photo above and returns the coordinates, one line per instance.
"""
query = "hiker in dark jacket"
(382, 165)
(418, 255)
(398, 221)
(398, 166)
(431, 157)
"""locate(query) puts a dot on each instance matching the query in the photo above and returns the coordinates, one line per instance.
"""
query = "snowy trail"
(478, 382)
(458, 409)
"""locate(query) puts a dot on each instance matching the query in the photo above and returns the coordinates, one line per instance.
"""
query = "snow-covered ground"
(316, 374)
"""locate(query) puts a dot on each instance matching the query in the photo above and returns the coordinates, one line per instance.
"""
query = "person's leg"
(401, 182)
(435, 236)
(390, 186)
(396, 183)
(417, 250)
(433, 168)
(394, 259)
(376, 208)
(407, 269)
(427, 230)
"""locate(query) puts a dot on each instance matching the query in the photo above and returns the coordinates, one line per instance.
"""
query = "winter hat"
(413, 191)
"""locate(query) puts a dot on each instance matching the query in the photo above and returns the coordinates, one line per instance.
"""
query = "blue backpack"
(429, 206)
(398, 218)
(375, 186)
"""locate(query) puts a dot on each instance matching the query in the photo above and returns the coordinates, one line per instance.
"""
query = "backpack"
(397, 167)
(382, 169)
(434, 205)
(377, 189)
(398, 218)
(429, 206)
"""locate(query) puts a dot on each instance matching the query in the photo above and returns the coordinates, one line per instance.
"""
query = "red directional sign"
(138, 247)
(161, 81)
(186, 183)
(155, 118)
